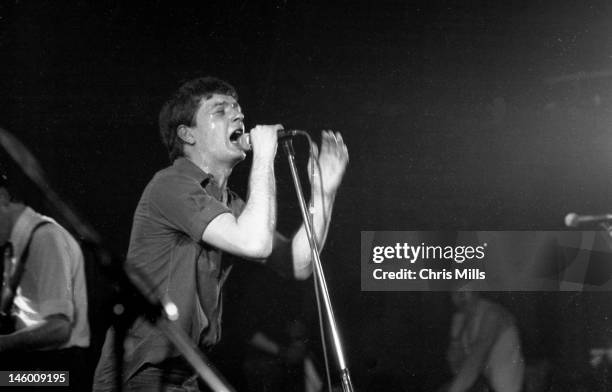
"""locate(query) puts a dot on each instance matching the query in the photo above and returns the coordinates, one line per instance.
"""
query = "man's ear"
(185, 134)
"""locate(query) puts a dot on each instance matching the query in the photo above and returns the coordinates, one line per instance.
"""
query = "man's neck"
(219, 172)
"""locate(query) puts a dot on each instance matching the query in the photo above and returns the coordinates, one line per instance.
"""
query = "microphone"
(244, 141)
(575, 220)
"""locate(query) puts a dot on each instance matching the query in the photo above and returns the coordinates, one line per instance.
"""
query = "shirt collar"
(205, 180)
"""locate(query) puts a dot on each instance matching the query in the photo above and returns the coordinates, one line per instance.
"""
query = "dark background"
(458, 115)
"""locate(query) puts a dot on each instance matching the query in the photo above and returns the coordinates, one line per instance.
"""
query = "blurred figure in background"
(278, 363)
(485, 350)
(268, 342)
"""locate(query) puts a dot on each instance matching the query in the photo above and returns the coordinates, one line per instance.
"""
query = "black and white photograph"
(288, 196)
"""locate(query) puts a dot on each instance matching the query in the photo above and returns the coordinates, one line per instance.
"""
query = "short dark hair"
(182, 107)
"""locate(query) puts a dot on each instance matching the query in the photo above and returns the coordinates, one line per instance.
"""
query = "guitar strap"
(13, 274)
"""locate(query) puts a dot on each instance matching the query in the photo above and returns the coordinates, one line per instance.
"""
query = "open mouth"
(234, 136)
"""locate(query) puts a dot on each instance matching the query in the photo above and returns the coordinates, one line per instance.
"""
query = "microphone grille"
(571, 220)
(244, 141)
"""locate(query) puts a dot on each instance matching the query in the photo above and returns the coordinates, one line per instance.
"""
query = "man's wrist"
(325, 193)
(264, 158)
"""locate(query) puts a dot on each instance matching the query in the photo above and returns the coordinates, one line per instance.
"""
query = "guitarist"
(44, 301)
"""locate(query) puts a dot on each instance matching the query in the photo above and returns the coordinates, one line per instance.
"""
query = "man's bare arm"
(330, 166)
(475, 362)
(251, 234)
(50, 334)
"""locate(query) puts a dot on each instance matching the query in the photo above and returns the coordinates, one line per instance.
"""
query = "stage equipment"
(321, 290)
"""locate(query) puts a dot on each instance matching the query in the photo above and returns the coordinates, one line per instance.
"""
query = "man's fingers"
(325, 141)
(342, 146)
(315, 151)
(333, 144)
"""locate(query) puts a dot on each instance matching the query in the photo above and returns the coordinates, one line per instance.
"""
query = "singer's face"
(219, 123)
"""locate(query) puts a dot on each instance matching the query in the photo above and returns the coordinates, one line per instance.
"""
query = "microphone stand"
(162, 312)
(318, 270)
(200, 363)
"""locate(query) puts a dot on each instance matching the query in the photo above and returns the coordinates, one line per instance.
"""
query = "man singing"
(187, 217)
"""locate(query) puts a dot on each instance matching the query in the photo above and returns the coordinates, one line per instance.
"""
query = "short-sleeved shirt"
(53, 281)
(166, 248)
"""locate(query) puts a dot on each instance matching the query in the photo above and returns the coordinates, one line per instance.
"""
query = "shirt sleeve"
(46, 285)
(185, 205)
